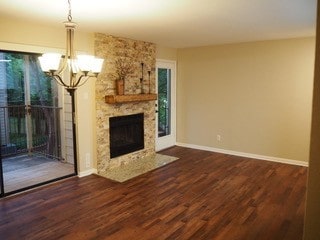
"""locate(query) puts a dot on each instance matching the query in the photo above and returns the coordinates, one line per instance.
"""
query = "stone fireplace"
(111, 48)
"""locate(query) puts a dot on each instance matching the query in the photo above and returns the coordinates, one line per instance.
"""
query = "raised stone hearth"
(112, 48)
(138, 167)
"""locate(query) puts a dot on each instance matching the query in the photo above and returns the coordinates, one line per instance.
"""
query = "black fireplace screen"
(126, 134)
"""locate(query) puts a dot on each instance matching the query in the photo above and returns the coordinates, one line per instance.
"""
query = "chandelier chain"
(69, 13)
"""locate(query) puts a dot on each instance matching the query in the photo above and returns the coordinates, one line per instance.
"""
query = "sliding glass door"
(30, 125)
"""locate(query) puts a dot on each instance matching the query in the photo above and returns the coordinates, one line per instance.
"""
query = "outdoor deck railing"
(32, 129)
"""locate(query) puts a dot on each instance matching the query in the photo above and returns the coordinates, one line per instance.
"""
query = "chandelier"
(80, 67)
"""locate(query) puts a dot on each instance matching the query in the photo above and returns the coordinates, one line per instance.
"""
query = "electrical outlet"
(219, 138)
(88, 160)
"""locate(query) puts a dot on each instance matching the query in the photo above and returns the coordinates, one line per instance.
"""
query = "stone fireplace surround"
(111, 48)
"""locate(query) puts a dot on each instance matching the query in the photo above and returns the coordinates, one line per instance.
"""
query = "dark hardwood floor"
(203, 195)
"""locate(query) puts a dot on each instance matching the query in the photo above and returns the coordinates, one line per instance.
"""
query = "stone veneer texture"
(112, 48)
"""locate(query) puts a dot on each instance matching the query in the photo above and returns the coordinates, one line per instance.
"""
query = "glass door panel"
(164, 102)
(1, 170)
(165, 107)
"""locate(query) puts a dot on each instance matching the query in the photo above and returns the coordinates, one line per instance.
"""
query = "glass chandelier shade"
(86, 63)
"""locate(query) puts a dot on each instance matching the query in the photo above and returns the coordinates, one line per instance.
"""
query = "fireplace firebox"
(126, 134)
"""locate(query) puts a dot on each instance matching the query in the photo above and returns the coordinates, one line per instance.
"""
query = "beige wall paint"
(256, 96)
(166, 53)
(25, 33)
(24, 36)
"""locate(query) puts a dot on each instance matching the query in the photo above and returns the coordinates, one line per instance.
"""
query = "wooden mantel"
(111, 99)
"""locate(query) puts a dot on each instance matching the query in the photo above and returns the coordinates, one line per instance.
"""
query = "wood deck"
(203, 195)
(18, 173)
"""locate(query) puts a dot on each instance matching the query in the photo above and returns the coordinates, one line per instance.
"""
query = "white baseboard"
(87, 172)
(248, 155)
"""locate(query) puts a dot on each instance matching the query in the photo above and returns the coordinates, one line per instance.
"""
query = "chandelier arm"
(69, 49)
(77, 84)
(72, 80)
(59, 80)
(72, 52)
(83, 82)
(64, 64)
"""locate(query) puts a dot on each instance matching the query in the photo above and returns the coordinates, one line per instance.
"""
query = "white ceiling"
(176, 23)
